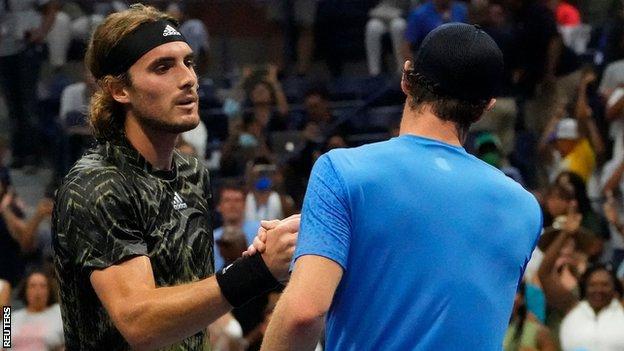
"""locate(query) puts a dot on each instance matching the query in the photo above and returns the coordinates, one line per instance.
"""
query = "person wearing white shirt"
(596, 322)
(38, 326)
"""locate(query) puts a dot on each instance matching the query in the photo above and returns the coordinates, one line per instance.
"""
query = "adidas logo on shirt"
(169, 30)
(178, 202)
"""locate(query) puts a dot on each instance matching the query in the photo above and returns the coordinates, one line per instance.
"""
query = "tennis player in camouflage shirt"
(132, 231)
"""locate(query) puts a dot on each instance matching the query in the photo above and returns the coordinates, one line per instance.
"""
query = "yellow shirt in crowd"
(582, 160)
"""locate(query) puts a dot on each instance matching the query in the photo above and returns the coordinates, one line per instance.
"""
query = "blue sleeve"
(325, 218)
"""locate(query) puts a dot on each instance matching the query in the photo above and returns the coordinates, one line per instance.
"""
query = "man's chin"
(184, 124)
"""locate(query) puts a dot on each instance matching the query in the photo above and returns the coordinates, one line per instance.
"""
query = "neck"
(155, 146)
(262, 197)
(35, 309)
(422, 122)
(233, 222)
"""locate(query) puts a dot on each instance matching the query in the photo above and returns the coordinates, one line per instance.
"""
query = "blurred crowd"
(330, 79)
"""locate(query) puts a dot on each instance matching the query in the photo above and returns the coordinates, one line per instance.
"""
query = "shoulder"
(91, 180)
(91, 176)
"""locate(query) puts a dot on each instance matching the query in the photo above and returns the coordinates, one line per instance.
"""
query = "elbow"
(128, 322)
(306, 315)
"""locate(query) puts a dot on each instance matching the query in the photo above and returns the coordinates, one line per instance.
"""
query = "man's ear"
(407, 66)
(118, 91)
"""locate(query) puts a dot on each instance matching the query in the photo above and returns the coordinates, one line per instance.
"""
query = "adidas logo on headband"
(169, 30)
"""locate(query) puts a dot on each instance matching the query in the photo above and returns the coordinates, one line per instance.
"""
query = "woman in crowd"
(38, 326)
(591, 306)
(524, 331)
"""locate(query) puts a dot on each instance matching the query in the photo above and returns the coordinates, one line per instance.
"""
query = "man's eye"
(190, 63)
(161, 68)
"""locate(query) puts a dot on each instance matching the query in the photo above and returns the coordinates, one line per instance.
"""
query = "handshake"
(276, 241)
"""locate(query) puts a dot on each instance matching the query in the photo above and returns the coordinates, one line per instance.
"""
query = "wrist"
(245, 279)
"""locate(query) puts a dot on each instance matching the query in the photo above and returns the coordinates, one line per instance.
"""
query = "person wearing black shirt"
(132, 229)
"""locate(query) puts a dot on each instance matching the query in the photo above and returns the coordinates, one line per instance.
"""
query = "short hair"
(617, 285)
(52, 294)
(233, 185)
(461, 112)
(105, 114)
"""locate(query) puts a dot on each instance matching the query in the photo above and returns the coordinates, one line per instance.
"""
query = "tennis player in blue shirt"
(412, 243)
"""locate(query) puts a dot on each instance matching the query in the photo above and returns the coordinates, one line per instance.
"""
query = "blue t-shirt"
(432, 240)
(425, 18)
(250, 228)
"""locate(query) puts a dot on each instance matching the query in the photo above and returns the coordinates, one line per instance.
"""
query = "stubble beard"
(163, 126)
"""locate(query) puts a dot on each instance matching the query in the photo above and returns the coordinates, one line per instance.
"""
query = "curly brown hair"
(105, 114)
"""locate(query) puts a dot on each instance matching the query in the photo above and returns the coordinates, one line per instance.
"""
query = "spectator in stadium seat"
(231, 206)
(24, 25)
(566, 13)
(266, 98)
(565, 148)
(38, 326)
(591, 220)
(428, 17)
(194, 31)
(595, 319)
(263, 199)
(388, 16)
(525, 331)
(247, 142)
(488, 148)
(19, 240)
(300, 13)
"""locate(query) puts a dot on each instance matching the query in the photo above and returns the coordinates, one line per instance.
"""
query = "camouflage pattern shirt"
(113, 206)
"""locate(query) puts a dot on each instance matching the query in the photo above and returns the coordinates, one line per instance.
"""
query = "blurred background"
(284, 81)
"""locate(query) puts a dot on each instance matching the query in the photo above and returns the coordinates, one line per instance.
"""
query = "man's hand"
(280, 246)
(259, 242)
(573, 219)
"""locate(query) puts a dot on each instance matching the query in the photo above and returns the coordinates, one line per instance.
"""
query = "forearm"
(556, 294)
(614, 180)
(49, 16)
(295, 331)
(15, 225)
(28, 236)
(615, 111)
(595, 138)
(281, 101)
(554, 52)
(162, 316)
(547, 267)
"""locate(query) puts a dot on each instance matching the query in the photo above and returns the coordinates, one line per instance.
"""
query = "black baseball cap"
(460, 61)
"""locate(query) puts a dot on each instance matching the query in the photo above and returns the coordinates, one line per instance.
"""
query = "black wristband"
(245, 279)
